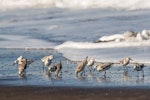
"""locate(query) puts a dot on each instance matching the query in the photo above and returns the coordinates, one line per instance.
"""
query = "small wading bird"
(47, 60)
(125, 61)
(22, 67)
(80, 67)
(103, 67)
(55, 69)
(139, 67)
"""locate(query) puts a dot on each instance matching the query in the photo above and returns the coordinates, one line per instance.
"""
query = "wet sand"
(72, 93)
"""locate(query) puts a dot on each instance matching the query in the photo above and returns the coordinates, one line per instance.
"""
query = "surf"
(75, 4)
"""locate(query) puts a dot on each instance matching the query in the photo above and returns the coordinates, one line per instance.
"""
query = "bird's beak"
(131, 59)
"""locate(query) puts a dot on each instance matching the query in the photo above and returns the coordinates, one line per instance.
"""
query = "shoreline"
(72, 61)
(74, 93)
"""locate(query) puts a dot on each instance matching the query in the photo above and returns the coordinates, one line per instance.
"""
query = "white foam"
(127, 39)
(76, 4)
(90, 45)
(111, 51)
(16, 41)
(112, 37)
(127, 36)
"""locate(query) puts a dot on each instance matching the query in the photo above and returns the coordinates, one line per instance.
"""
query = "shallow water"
(115, 76)
(71, 30)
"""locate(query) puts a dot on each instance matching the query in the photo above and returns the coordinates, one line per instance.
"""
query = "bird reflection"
(103, 79)
(51, 76)
(140, 80)
(80, 78)
(90, 74)
(139, 67)
(125, 75)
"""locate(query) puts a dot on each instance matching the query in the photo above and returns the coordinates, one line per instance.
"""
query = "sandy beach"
(72, 93)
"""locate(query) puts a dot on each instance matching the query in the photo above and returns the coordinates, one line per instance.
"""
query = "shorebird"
(55, 69)
(19, 61)
(90, 62)
(139, 67)
(125, 61)
(58, 68)
(47, 60)
(80, 67)
(22, 67)
(103, 67)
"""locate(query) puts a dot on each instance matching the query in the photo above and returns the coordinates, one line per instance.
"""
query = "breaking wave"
(89, 45)
(127, 39)
(75, 4)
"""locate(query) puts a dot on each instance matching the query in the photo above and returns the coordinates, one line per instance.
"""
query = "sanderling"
(58, 68)
(125, 61)
(139, 67)
(55, 68)
(80, 67)
(22, 67)
(103, 67)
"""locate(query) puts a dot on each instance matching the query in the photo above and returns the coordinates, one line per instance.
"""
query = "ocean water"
(69, 29)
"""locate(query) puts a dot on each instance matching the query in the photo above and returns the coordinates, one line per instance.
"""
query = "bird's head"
(50, 57)
(130, 58)
(142, 66)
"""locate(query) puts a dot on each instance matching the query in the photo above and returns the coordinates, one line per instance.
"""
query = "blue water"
(60, 25)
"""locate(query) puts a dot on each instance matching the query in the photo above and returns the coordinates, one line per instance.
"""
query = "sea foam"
(126, 39)
(76, 4)
(18, 41)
